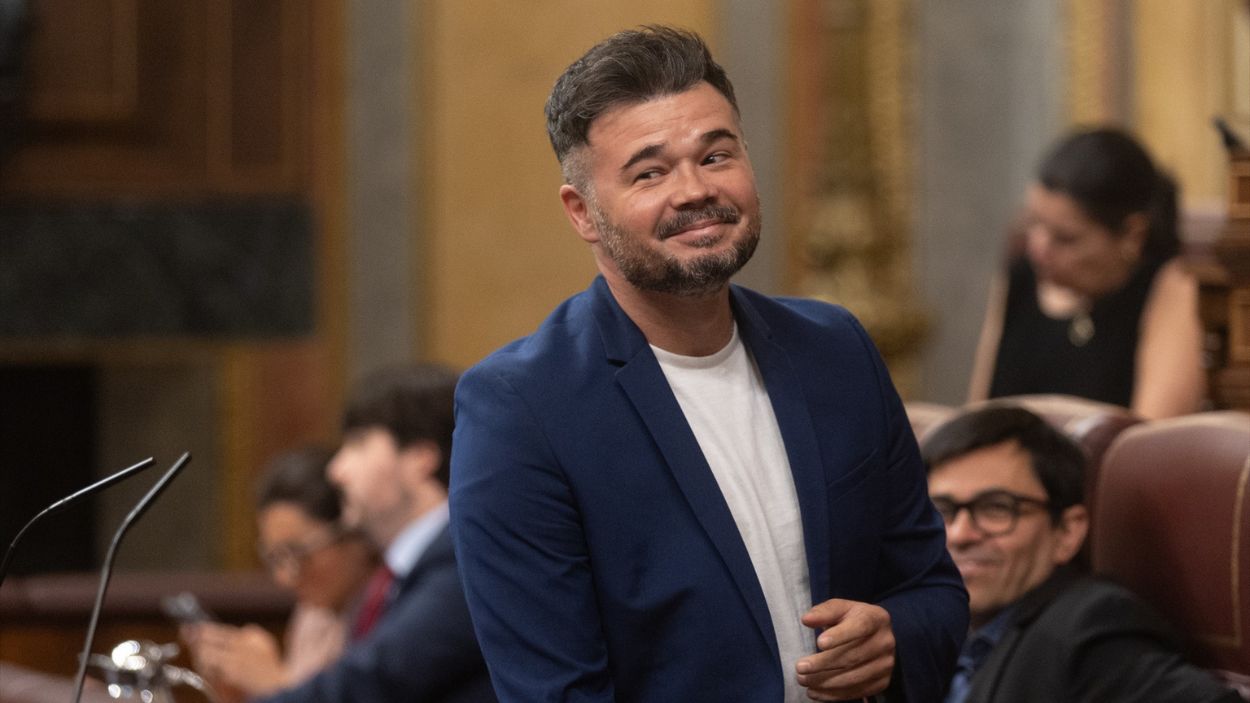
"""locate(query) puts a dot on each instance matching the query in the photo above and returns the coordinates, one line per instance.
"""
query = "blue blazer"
(421, 651)
(599, 557)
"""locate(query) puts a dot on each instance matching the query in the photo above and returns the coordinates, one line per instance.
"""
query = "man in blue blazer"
(678, 489)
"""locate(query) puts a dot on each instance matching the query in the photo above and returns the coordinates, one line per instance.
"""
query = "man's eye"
(995, 507)
(715, 158)
(647, 175)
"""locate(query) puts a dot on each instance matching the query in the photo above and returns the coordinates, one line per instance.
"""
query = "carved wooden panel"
(852, 70)
(182, 109)
(97, 71)
(1229, 295)
(1239, 190)
(152, 98)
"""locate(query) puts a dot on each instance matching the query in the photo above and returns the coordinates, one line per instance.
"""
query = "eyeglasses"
(290, 556)
(994, 513)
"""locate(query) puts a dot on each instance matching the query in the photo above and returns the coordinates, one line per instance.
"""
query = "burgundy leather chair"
(924, 416)
(1172, 522)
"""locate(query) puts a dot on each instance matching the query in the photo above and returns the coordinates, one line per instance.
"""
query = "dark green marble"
(221, 268)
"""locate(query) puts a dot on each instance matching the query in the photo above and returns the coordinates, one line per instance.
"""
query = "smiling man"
(677, 489)
(1010, 490)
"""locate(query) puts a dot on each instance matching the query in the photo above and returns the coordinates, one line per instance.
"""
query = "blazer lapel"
(988, 679)
(644, 383)
(785, 392)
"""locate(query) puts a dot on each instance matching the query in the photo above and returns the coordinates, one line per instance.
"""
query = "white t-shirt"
(725, 402)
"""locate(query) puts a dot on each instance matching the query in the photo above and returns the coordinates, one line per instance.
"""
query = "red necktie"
(375, 602)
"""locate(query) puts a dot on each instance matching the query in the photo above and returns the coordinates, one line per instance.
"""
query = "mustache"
(685, 218)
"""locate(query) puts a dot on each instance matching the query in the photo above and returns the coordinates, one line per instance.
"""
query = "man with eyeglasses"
(1010, 490)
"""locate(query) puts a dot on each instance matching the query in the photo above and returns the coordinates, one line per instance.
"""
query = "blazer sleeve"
(521, 551)
(422, 649)
(917, 582)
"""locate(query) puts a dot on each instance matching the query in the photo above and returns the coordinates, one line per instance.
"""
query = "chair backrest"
(924, 416)
(1172, 523)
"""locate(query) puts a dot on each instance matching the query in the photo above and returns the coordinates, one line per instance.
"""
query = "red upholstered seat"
(1172, 522)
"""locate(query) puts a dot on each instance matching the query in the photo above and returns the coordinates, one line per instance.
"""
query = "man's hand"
(856, 654)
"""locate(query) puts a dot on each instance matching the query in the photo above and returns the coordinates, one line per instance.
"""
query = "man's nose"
(334, 471)
(693, 187)
(1039, 243)
(961, 530)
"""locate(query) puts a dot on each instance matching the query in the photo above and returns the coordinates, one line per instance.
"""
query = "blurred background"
(216, 214)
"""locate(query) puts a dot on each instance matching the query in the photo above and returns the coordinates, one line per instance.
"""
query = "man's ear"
(577, 208)
(1070, 533)
(419, 461)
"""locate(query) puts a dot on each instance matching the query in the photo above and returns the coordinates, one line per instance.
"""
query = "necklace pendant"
(1081, 330)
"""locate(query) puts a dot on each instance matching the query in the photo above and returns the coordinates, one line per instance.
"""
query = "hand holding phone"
(186, 609)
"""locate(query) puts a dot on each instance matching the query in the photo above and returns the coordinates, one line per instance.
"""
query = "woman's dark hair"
(1110, 175)
(299, 477)
(1057, 460)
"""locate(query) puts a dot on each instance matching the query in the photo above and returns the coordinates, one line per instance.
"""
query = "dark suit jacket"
(601, 561)
(1081, 639)
(421, 651)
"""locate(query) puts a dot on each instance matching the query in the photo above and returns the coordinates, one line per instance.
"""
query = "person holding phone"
(309, 552)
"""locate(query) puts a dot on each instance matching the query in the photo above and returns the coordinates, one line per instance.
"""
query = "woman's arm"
(1170, 379)
(987, 345)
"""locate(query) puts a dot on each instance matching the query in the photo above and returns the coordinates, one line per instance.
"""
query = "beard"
(659, 272)
(380, 523)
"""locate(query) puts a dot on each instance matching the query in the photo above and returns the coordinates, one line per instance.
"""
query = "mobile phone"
(185, 608)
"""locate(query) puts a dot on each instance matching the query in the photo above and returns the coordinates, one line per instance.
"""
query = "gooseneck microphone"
(65, 503)
(107, 569)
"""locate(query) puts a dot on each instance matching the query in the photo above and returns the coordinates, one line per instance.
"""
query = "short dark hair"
(413, 403)
(299, 477)
(1057, 460)
(1110, 175)
(628, 67)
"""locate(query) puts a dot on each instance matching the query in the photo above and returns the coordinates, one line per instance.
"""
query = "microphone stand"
(107, 569)
(66, 502)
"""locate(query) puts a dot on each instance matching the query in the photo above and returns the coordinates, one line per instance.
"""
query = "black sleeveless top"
(1038, 354)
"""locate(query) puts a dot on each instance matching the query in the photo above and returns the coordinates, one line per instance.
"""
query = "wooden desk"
(43, 619)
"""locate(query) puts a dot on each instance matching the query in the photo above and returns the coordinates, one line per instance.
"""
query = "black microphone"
(1230, 139)
(107, 570)
(66, 502)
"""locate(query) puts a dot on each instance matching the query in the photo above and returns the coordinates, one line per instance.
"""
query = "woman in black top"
(1098, 304)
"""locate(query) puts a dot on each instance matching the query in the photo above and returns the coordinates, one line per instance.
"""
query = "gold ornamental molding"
(852, 221)
(1094, 47)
